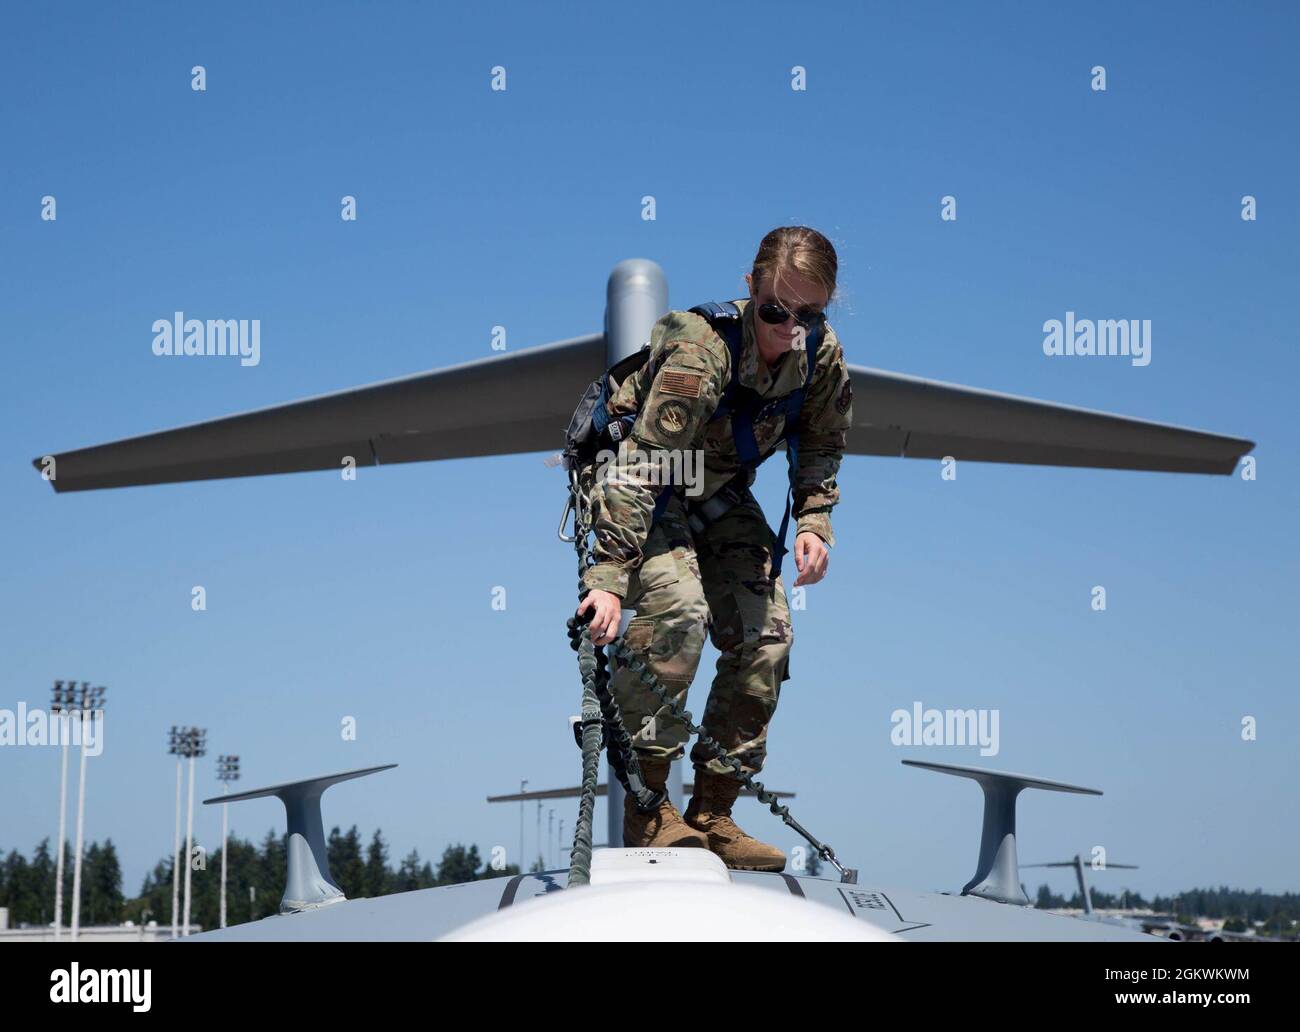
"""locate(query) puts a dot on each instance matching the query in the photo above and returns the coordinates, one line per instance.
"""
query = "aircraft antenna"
(309, 884)
(1085, 893)
(998, 875)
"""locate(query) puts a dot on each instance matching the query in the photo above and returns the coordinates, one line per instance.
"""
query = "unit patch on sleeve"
(672, 418)
(845, 399)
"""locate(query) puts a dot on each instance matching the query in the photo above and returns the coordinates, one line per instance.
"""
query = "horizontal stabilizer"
(900, 415)
(522, 401)
(510, 403)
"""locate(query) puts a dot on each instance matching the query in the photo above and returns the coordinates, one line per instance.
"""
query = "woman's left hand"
(812, 557)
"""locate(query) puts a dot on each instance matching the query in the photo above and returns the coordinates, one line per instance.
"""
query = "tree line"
(255, 882)
(255, 877)
(1239, 908)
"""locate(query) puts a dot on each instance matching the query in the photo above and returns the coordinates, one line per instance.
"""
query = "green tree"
(378, 878)
(344, 857)
(458, 865)
(41, 872)
(411, 875)
(19, 898)
(100, 893)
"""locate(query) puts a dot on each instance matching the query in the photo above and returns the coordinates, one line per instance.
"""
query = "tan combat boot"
(661, 827)
(709, 811)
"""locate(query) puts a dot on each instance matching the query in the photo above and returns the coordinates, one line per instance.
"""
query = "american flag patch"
(687, 385)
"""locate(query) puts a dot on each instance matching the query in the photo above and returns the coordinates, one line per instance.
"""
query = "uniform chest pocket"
(768, 430)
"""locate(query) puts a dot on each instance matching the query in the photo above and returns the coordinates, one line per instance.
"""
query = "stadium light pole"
(60, 705)
(89, 701)
(227, 771)
(195, 746)
(523, 787)
(175, 747)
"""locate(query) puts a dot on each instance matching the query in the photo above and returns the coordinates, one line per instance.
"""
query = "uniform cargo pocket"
(658, 571)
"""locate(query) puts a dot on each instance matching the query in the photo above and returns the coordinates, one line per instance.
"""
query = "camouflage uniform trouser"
(719, 580)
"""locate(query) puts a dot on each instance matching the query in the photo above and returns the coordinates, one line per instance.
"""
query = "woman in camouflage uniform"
(684, 578)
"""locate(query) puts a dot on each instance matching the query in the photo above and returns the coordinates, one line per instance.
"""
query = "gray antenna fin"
(997, 877)
(308, 884)
(1085, 893)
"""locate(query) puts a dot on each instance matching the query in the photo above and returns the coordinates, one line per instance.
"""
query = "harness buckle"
(702, 515)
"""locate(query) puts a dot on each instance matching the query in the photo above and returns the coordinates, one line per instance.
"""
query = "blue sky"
(478, 208)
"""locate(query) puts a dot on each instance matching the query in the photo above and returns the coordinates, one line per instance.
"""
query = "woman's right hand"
(608, 611)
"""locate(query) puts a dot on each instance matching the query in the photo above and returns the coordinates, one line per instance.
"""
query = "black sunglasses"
(775, 315)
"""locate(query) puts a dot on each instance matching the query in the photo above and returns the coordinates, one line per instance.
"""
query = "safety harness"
(746, 407)
(593, 426)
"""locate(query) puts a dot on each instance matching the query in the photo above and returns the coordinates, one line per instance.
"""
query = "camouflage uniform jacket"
(673, 394)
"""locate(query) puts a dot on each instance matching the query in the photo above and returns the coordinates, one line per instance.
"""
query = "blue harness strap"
(661, 503)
